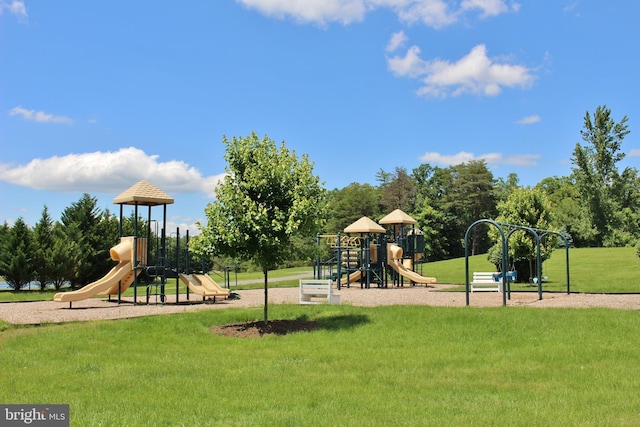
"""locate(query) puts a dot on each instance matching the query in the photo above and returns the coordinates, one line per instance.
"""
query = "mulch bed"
(259, 328)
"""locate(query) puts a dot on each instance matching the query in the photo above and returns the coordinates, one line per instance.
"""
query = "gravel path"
(96, 308)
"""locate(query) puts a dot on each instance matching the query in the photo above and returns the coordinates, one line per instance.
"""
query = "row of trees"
(270, 195)
(598, 204)
(73, 250)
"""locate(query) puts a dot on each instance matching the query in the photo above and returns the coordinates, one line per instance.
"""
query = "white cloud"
(489, 158)
(529, 120)
(411, 65)
(474, 73)
(108, 172)
(39, 116)
(396, 41)
(15, 7)
(487, 7)
(185, 224)
(634, 153)
(317, 11)
(434, 13)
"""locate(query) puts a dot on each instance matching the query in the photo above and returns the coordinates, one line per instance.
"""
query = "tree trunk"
(266, 297)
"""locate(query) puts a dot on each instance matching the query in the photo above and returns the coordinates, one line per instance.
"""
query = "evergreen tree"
(461, 195)
(43, 249)
(16, 262)
(398, 190)
(66, 254)
(93, 237)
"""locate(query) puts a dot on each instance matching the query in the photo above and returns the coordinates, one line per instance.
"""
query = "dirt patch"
(259, 328)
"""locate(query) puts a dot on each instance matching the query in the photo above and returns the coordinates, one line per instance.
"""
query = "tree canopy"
(267, 197)
(611, 199)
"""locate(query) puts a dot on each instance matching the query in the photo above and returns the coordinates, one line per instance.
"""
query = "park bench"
(317, 292)
(486, 281)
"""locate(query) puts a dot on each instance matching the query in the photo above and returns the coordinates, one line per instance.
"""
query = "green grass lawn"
(383, 366)
(591, 270)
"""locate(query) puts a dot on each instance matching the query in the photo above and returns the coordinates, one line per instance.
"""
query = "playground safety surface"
(42, 312)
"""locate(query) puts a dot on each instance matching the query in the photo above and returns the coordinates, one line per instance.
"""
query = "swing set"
(537, 233)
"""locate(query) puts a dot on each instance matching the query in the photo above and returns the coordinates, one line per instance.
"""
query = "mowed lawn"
(383, 366)
(601, 270)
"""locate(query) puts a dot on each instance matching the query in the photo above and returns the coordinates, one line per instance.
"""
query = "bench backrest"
(309, 286)
(480, 275)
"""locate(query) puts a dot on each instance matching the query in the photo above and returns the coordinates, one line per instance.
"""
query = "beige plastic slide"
(195, 287)
(119, 276)
(111, 279)
(209, 284)
(123, 284)
(353, 277)
(394, 259)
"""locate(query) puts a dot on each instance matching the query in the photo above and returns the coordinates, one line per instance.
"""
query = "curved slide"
(117, 274)
(121, 276)
(394, 259)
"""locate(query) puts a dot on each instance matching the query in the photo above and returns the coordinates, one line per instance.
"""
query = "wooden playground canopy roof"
(397, 217)
(365, 225)
(143, 193)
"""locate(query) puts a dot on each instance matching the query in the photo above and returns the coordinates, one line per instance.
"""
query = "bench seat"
(317, 292)
(485, 282)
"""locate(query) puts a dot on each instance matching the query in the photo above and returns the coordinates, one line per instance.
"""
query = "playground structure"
(369, 253)
(150, 255)
(506, 276)
(119, 278)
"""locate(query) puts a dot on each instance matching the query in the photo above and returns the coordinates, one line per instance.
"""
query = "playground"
(367, 264)
(367, 253)
(148, 253)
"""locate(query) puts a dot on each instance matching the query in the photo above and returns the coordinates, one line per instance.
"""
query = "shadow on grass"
(289, 326)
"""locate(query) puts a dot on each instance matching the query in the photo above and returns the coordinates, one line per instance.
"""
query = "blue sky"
(95, 96)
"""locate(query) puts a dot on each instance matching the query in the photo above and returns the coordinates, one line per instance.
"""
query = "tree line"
(596, 205)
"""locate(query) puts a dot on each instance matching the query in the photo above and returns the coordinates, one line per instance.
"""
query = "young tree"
(564, 199)
(527, 207)
(602, 188)
(268, 196)
(16, 263)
